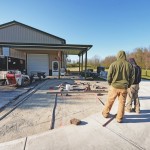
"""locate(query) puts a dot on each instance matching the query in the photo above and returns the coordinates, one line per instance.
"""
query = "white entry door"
(55, 68)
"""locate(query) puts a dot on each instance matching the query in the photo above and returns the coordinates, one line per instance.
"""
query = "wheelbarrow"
(38, 74)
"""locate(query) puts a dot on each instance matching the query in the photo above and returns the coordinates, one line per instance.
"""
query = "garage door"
(38, 62)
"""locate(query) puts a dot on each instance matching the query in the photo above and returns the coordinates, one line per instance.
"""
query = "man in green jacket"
(120, 77)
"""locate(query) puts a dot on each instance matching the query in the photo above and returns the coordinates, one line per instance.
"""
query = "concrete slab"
(89, 135)
(8, 93)
(4, 102)
(13, 145)
(7, 96)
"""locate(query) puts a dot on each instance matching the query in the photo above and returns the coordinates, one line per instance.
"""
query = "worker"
(132, 95)
(120, 77)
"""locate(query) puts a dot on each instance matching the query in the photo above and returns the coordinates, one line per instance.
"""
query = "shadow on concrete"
(145, 80)
(144, 97)
(83, 123)
(144, 116)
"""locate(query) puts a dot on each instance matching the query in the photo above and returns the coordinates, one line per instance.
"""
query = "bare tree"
(107, 61)
(94, 61)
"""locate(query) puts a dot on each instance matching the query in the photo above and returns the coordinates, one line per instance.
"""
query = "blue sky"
(108, 25)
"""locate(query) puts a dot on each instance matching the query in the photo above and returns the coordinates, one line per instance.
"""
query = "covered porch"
(58, 51)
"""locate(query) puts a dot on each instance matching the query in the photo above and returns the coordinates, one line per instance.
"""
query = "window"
(5, 51)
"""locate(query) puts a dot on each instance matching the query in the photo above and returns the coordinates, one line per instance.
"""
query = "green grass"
(146, 77)
(145, 74)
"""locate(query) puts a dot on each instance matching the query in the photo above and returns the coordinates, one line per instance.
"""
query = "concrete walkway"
(132, 134)
(8, 93)
(6, 96)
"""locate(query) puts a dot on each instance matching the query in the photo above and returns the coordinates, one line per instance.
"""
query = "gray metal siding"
(17, 54)
(21, 34)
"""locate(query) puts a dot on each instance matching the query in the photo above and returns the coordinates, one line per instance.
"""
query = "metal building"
(40, 50)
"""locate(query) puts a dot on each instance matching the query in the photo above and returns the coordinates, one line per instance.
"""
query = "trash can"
(100, 68)
(50, 72)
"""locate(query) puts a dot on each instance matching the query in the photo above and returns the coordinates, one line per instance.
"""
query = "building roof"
(16, 22)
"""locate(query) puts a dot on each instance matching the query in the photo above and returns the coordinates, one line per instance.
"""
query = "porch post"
(61, 59)
(82, 63)
(59, 63)
(79, 63)
(85, 63)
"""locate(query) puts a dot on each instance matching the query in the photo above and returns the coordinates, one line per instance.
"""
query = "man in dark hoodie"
(132, 95)
(120, 77)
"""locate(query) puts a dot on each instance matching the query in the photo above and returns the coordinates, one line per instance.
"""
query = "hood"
(121, 55)
(132, 61)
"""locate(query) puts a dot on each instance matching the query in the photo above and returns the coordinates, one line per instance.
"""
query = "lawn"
(145, 73)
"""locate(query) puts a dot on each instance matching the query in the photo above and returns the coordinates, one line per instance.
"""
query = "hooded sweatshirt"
(137, 71)
(121, 72)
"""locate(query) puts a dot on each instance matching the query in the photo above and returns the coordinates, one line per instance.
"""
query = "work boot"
(133, 109)
(118, 120)
(105, 115)
(128, 110)
(137, 111)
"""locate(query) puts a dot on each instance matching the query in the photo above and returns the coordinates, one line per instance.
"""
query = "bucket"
(68, 87)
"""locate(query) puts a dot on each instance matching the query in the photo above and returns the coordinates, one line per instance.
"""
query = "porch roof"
(69, 49)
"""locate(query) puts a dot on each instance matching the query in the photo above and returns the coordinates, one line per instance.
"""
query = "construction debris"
(88, 88)
(75, 121)
(99, 94)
